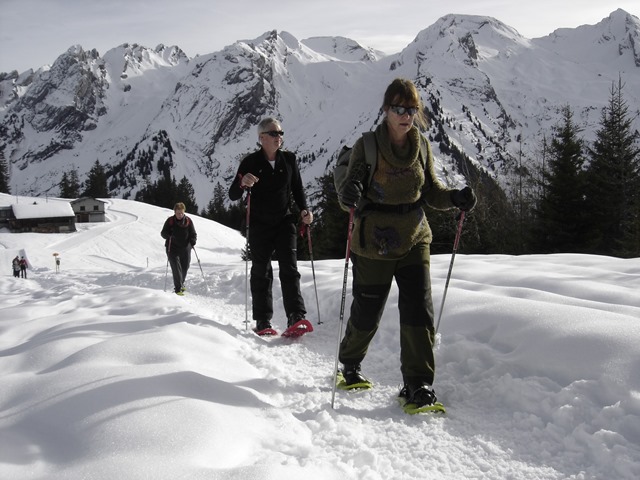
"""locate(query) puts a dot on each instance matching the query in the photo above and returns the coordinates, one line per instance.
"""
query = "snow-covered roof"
(43, 210)
(86, 199)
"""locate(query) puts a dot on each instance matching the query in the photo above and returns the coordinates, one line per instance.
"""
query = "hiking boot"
(294, 318)
(262, 325)
(419, 394)
(352, 375)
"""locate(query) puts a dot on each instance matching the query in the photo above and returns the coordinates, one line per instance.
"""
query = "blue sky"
(35, 32)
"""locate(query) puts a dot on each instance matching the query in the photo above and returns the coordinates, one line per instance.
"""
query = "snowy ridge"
(615, 36)
(104, 375)
(342, 48)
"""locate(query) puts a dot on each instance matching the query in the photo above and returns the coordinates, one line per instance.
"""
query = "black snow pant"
(371, 284)
(179, 259)
(264, 241)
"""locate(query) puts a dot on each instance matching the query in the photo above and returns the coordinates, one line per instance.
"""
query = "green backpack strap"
(425, 150)
(370, 154)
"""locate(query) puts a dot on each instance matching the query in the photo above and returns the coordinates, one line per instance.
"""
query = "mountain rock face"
(491, 94)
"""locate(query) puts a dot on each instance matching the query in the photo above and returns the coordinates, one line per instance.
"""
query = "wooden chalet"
(89, 209)
(46, 217)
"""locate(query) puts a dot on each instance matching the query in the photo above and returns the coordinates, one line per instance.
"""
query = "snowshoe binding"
(298, 329)
(264, 329)
(297, 326)
(350, 378)
(416, 399)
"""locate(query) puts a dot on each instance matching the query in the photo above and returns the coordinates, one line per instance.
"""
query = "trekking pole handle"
(459, 232)
(248, 205)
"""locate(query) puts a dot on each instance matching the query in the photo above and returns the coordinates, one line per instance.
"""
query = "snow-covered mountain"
(492, 94)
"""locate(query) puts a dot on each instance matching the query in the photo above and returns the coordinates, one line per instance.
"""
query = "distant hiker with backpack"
(15, 266)
(391, 239)
(23, 267)
(271, 178)
(180, 237)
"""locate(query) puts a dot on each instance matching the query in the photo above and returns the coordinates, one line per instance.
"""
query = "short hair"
(179, 206)
(402, 90)
(265, 122)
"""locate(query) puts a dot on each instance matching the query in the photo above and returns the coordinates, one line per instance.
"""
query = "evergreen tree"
(64, 185)
(166, 193)
(4, 174)
(96, 185)
(162, 193)
(69, 184)
(236, 216)
(186, 194)
(522, 182)
(216, 209)
(561, 215)
(614, 181)
(330, 224)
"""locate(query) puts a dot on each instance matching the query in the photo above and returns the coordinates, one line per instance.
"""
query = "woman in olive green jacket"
(391, 239)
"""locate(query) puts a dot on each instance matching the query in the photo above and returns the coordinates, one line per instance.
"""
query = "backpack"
(371, 159)
(171, 221)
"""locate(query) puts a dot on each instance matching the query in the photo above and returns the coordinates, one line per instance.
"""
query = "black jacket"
(271, 195)
(182, 233)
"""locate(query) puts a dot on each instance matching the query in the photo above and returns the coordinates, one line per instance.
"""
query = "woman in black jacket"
(180, 237)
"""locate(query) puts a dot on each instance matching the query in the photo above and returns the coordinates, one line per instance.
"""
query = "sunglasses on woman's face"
(400, 110)
(274, 133)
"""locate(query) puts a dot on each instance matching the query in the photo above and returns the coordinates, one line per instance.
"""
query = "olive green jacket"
(401, 180)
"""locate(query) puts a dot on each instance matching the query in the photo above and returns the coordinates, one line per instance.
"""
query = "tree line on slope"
(583, 198)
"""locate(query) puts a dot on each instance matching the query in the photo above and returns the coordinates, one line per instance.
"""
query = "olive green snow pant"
(371, 284)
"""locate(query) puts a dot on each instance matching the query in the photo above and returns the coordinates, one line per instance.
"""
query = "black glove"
(351, 193)
(464, 199)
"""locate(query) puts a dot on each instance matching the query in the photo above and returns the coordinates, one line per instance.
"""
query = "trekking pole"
(313, 271)
(166, 273)
(453, 256)
(201, 271)
(344, 296)
(246, 263)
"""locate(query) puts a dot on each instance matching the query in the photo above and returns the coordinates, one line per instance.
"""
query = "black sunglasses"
(274, 133)
(400, 110)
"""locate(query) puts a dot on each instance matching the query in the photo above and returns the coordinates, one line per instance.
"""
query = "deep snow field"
(105, 375)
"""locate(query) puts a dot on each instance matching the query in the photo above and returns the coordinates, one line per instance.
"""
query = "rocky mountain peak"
(139, 110)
